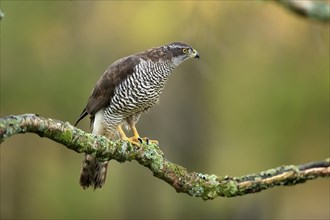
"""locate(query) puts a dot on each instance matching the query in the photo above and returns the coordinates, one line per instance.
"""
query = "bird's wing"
(105, 87)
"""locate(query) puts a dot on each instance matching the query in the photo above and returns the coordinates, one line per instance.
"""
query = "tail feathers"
(93, 173)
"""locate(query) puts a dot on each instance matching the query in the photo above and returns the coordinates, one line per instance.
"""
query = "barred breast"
(138, 92)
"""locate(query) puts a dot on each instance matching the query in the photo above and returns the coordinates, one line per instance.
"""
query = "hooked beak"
(195, 54)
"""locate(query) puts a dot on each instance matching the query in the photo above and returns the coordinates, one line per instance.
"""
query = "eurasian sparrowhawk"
(129, 87)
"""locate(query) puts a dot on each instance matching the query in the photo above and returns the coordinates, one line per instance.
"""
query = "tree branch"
(318, 10)
(149, 155)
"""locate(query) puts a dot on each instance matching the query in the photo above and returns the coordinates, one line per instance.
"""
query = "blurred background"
(258, 98)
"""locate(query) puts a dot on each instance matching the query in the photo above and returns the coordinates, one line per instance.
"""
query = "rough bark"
(206, 186)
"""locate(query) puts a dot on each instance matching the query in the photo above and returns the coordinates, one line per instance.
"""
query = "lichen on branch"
(206, 186)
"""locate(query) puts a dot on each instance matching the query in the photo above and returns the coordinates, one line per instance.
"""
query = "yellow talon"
(149, 141)
(135, 140)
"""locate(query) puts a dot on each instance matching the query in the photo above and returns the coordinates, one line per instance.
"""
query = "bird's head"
(180, 52)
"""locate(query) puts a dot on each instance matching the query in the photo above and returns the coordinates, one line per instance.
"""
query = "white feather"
(98, 125)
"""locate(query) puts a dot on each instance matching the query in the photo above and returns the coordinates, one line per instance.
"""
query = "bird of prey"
(130, 86)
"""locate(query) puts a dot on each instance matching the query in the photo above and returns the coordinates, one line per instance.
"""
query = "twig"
(318, 10)
(149, 155)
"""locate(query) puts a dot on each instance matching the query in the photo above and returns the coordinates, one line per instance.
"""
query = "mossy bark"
(151, 156)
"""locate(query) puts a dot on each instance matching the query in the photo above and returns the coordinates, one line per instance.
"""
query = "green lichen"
(151, 157)
(121, 150)
(210, 184)
(196, 191)
(67, 135)
(229, 189)
(102, 152)
(269, 172)
(212, 179)
(148, 152)
(178, 170)
(157, 165)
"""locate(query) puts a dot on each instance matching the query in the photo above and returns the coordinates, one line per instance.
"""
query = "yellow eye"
(184, 50)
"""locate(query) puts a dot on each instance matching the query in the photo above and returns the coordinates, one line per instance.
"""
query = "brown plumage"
(129, 87)
(105, 87)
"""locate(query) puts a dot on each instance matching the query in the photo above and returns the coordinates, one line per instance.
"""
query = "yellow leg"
(134, 140)
(121, 132)
(136, 136)
(135, 132)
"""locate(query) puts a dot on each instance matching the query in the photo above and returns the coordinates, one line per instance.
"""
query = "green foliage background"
(258, 98)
